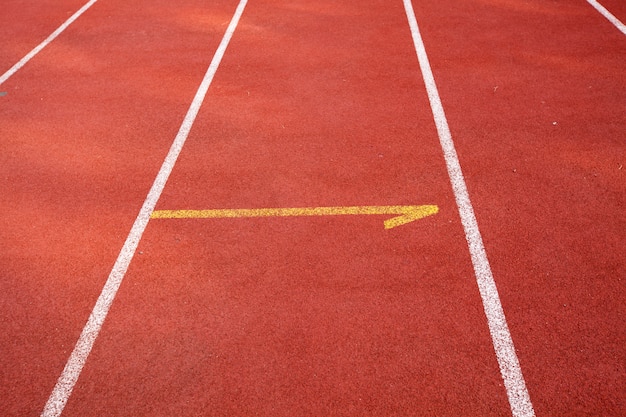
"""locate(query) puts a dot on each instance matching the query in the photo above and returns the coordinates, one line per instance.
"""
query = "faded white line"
(74, 366)
(510, 369)
(608, 15)
(43, 44)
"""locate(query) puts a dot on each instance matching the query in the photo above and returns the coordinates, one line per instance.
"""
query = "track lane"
(538, 118)
(313, 106)
(85, 127)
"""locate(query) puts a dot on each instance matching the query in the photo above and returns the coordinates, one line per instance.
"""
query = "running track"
(314, 104)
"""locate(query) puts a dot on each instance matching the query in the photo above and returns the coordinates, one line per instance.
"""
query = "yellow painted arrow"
(406, 214)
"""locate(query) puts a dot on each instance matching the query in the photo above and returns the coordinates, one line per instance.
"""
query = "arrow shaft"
(288, 212)
(404, 214)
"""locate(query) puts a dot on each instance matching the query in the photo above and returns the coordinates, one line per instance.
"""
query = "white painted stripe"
(517, 393)
(604, 12)
(43, 44)
(75, 363)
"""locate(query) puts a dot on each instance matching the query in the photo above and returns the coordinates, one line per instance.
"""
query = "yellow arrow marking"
(406, 214)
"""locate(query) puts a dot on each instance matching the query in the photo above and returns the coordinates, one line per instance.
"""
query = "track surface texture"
(316, 113)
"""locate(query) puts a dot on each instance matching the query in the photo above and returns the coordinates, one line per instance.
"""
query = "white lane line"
(519, 399)
(608, 15)
(74, 365)
(43, 44)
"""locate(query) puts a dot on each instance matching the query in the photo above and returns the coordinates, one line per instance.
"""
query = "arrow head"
(409, 214)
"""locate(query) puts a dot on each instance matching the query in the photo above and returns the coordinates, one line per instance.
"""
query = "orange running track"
(315, 104)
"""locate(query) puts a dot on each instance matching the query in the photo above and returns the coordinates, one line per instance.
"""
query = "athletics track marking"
(509, 365)
(404, 214)
(608, 15)
(43, 44)
(516, 390)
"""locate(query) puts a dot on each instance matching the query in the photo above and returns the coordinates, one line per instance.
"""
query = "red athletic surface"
(24, 24)
(316, 103)
(550, 199)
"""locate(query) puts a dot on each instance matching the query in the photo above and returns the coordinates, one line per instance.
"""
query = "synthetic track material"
(315, 105)
(74, 366)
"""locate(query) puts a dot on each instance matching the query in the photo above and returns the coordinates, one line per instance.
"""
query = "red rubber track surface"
(316, 103)
(540, 129)
(312, 105)
(24, 24)
(85, 128)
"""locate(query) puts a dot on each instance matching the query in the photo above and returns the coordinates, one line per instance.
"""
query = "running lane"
(316, 104)
(85, 127)
(535, 97)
